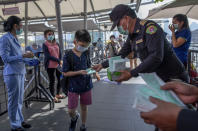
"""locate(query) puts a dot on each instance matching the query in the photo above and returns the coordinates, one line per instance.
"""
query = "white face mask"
(81, 49)
(176, 26)
(122, 31)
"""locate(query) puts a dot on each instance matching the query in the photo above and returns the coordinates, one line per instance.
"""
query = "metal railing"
(193, 63)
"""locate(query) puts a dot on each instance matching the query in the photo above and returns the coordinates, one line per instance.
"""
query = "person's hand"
(130, 56)
(28, 55)
(187, 93)
(61, 63)
(125, 76)
(171, 27)
(164, 116)
(82, 72)
(97, 67)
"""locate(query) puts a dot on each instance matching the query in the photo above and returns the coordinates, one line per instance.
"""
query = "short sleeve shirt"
(182, 51)
(79, 83)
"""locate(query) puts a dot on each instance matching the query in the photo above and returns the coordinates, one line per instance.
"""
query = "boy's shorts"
(85, 99)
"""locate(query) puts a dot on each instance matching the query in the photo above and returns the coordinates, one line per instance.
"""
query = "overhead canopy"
(68, 26)
(46, 8)
(188, 7)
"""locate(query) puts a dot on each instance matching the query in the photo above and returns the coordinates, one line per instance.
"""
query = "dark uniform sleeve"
(124, 52)
(187, 120)
(154, 40)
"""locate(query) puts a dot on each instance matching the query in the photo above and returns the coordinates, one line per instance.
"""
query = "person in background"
(121, 41)
(181, 37)
(170, 117)
(14, 71)
(100, 47)
(34, 48)
(112, 47)
(92, 54)
(80, 83)
(52, 61)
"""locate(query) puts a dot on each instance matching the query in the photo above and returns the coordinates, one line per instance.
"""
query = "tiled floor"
(111, 111)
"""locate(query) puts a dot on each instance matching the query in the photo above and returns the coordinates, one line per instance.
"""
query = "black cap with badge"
(118, 12)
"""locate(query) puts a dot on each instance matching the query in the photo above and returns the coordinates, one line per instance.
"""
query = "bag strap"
(88, 59)
(69, 53)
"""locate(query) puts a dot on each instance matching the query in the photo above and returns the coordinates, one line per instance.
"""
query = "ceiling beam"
(8, 2)
(137, 7)
(81, 14)
(2, 18)
(40, 9)
(93, 9)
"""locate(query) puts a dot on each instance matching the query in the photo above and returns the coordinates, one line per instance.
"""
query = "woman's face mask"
(50, 37)
(176, 26)
(19, 29)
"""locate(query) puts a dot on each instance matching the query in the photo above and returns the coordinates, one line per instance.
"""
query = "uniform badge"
(151, 29)
(139, 41)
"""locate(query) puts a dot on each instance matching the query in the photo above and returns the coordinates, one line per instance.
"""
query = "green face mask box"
(112, 76)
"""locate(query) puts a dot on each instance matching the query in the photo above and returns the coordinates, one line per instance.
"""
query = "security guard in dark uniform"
(147, 40)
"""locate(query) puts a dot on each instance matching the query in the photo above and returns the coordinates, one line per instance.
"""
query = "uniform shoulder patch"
(150, 23)
(151, 29)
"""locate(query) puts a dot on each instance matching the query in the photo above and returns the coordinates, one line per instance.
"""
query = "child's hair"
(112, 36)
(83, 36)
(8, 25)
(47, 31)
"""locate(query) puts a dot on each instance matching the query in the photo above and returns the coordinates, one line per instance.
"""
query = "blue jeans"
(15, 88)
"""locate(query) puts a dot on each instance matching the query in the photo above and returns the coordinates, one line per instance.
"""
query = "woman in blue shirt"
(14, 71)
(181, 37)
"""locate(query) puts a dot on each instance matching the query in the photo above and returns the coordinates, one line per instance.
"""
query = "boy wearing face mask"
(52, 61)
(80, 83)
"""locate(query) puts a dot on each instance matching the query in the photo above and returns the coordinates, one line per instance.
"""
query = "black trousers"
(51, 76)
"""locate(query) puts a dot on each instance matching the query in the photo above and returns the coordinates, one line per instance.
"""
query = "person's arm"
(155, 46)
(47, 54)
(74, 73)
(187, 120)
(177, 42)
(5, 50)
(66, 69)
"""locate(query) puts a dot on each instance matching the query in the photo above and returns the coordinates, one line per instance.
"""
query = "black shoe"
(18, 129)
(72, 126)
(25, 125)
(83, 128)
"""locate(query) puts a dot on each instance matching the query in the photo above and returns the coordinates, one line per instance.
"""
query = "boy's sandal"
(60, 97)
(56, 100)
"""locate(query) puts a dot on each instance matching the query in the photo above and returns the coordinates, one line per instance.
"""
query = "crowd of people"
(146, 41)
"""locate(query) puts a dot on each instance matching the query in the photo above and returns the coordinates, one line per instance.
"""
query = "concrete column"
(59, 23)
